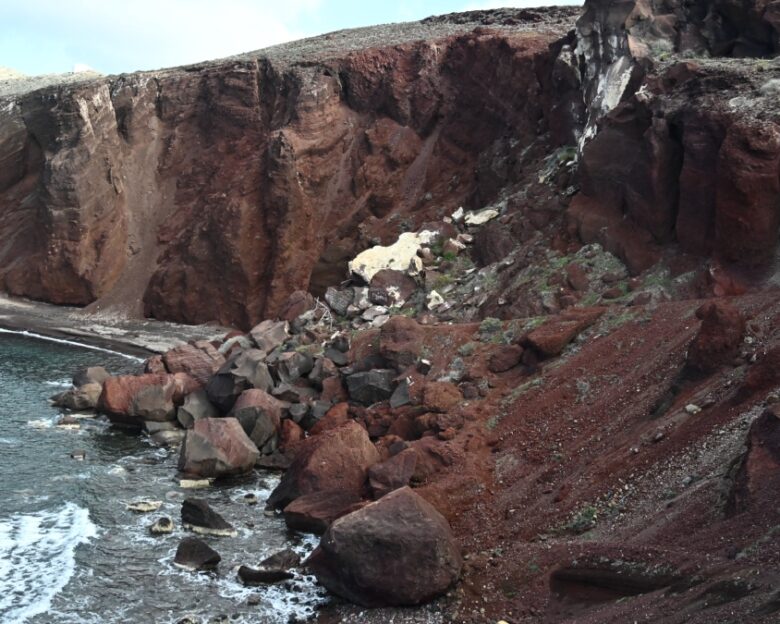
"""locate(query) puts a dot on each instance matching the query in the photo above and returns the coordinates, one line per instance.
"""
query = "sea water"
(70, 550)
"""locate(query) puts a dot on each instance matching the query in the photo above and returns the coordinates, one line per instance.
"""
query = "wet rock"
(217, 447)
(198, 516)
(270, 334)
(505, 358)
(195, 554)
(262, 575)
(90, 375)
(396, 551)
(719, 337)
(144, 506)
(161, 526)
(195, 407)
(84, 397)
(314, 513)
(335, 459)
(371, 387)
(197, 363)
(392, 474)
(260, 416)
(79, 455)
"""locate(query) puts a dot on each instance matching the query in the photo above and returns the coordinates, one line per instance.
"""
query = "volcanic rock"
(504, 358)
(270, 334)
(299, 302)
(198, 516)
(719, 337)
(260, 416)
(195, 554)
(196, 406)
(314, 513)
(128, 399)
(161, 526)
(90, 375)
(334, 460)
(397, 551)
(242, 371)
(217, 447)
(371, 387)
(392, 474)
(391, 288)
(84, 397)
(196, 362)
(400, 342)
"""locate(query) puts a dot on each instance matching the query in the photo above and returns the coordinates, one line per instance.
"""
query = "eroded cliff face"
(211, 193)
(683, 141)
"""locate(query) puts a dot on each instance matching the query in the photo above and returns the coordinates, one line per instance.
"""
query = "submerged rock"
(198, 516)
(195, 554)
(161, 526)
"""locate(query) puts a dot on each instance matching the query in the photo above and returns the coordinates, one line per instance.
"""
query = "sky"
(114, 36)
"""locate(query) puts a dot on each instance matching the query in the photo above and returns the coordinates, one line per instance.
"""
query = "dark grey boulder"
(198, 516)
(371, 386)
(196, 406)
(195, 554)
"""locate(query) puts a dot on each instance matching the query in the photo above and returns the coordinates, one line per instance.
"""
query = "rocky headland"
(502, 290)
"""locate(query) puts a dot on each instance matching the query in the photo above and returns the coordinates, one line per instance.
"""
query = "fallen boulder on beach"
(397, 551)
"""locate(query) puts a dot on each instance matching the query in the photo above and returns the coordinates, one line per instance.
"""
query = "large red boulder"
(130, 399)
(394, 473)
(719, 338)
(551, 338)
(397, 551)
(336, 459)
(198, 363)
(314, 513)
(217, 447)
(400, 342)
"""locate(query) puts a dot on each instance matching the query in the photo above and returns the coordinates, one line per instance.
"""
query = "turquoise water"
(70, 552)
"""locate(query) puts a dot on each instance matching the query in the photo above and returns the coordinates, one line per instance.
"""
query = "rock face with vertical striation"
(187, 194)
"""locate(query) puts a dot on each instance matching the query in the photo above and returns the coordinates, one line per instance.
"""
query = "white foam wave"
(29, 334)
(37, 558)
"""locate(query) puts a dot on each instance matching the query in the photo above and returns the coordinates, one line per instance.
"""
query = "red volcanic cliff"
(212, 192)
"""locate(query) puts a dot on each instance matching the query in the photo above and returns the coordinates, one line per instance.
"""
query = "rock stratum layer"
(212, 192)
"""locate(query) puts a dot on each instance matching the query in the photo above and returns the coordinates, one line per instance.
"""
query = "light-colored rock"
(481, 217)
(434, 300)
(692, 408)
(144, 506)
(400, 256)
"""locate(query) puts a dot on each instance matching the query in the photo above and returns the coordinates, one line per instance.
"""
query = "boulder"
(504, 358)
(293, 365)
(244, 370)
(290, 434)
(400, 256)
(372, 386)
(271, 569)
(441, 396)
(756, 479)
(195, 407)
(493, 243)
(127, 399)
(392, 474)
(198, 516)
(84, 397)
(217, 447)
(90, 375)
(197, 363)
(334, 460)
(314, 513)
(154, 403)
(161, 526)
(400, 342)
(270, 334)
(551, 338)
(260, 416)
(154, 364)
(397, 551)
(719, 337)
(195, 554)
(391, 288)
